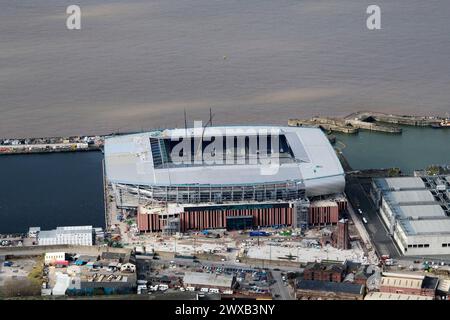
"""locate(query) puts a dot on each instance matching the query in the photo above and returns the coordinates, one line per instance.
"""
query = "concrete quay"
(349, 126)
(408, 120)
(50, 145)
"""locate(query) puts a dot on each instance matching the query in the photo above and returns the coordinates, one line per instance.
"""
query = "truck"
(259, 234)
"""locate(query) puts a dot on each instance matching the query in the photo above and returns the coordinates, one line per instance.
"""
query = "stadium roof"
(129, 160)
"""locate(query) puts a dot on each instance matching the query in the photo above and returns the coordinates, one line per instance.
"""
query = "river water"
(139, 63)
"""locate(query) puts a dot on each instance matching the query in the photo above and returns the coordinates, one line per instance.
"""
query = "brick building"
(342, 238)
(325, 271)
(409, 284)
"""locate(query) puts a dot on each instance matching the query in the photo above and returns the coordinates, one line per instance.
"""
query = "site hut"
(416, 211)
(266, 182)
(201, 280)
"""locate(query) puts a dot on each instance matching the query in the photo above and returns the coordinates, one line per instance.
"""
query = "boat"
(445, 123)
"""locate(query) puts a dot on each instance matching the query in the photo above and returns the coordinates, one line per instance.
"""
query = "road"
(378, 232)
(279, 288)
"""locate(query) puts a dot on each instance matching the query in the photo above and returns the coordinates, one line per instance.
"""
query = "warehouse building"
(416, 211)
(409, 284)
(395, 296)
(315, 289)
(209, 280)
(76, 235)
(223, 177)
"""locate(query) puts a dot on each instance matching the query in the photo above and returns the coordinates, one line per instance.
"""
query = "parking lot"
(18, 270)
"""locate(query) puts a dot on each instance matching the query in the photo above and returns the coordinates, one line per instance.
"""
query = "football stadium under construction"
(223, 177)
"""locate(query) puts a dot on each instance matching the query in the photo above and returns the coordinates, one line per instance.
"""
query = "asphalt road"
(279, 288)
(378, 232)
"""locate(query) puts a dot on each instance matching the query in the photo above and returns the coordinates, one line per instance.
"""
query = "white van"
(163, 287)
(364, 219)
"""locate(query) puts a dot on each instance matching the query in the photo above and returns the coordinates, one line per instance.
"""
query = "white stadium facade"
(221, 177)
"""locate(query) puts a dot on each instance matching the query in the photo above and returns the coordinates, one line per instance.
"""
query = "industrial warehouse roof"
(65, 230)
(419, 211)
(400, 183)
(401, 282)
(434, 226)
(132, 159)
(208, 279)
(338, 287)
(412, 197)
(394, 296)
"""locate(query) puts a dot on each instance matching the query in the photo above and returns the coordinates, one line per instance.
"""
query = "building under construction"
(222, 177)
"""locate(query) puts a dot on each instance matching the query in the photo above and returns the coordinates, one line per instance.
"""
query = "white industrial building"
(416, 211)
(52, 257)
(76, 235)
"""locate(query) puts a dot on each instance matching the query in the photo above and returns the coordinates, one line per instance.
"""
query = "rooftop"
(426, 226)
(208, 279)
(338, 287)
(410, 197)
(394, 296)
(130, 159)
(401, 183)
(421, 211)
(401, 282)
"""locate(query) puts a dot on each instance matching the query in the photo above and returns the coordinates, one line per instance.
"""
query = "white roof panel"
(128, 160)
(419, 211)
(404, 183)
(410, 196)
